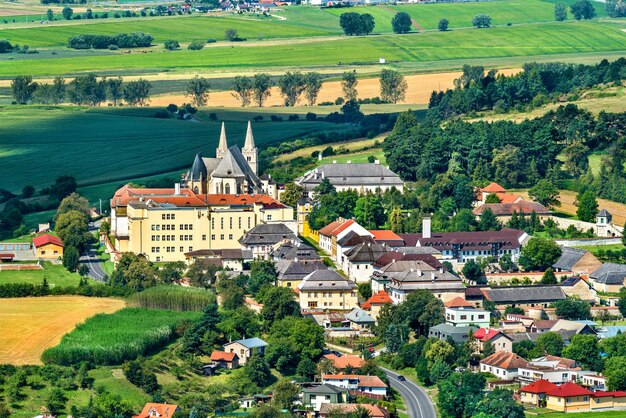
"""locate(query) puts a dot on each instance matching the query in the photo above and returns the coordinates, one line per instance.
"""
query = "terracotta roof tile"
(504, 360)
(164, 410)
(47, 239)
(569, 389)
(539, 386)
(364, 380)
(493, 188)
(380, 298)
(222, 356)
(346, 360)
(458, 302)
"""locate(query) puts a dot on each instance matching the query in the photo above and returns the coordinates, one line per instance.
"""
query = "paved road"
(96, 271)
(417, 402)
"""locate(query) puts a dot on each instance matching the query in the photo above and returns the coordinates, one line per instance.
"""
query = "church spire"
(249, 144)
(222, 149)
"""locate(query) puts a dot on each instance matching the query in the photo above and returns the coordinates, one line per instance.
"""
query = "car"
(402, 378)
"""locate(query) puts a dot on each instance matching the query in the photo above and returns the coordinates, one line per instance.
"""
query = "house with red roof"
(499, 340)
(387, 236)
(347, 361)
(504, 365)
(334, 231)
(48, 247)
(535, 393)
(358, 385)
(375, 303)
(158, 410)
(568, 397)
(225, 360)
(499, 191)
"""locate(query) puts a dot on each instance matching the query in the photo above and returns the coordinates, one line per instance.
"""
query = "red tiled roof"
(342, 227)
(569, 389)
(504, 360)
(539, 386)
(164, 410)
(385, 235)
(508, 198)
(328, 229)
(504, 209)
(7, 255)
(346, 360)
(603, 394)
(380, 298)
(335, 228)
(458, 302)
(370, 381)
(222, 356)
(493, 188)
(240, 199)
(45, 239)
(486, 334)
(544, 323)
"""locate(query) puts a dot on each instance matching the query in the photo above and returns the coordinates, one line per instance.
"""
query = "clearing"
(30, 325)
(55, 274)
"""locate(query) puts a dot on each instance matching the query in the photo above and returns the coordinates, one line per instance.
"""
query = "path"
(91, 260)
(413, 21)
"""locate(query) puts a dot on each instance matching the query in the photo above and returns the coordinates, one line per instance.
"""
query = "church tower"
(249, 150)
(222, 148)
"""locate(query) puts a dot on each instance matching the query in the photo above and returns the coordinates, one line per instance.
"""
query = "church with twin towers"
(232, 171)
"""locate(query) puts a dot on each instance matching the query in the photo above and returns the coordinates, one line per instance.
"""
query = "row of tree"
(119, 40)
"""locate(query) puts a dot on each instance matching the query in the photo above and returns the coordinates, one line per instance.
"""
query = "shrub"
(162, 114)
(231, 35)
(311, 116)
(171, 44)
(122, 40)
(195, 45)
(210, 41)
(5, 46)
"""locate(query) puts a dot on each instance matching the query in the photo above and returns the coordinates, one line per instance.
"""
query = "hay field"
(30, 325)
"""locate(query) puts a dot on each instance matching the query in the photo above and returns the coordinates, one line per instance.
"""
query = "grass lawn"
(113, 381)
(598, 414)
(105, 145)
(356, 144)
(595, 248)
(499, 42)
(56, 275)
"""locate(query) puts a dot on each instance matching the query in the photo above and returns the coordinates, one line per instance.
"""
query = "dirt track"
(30, 325)
(420, 88)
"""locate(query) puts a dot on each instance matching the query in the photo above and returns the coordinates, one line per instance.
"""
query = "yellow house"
(568, 397)
(165, 224)
(48, 246)
(326, 289)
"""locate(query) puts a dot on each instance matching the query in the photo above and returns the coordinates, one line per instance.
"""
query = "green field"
(526, 40)
(107, 145)
(183, 29)
(55, 274)
(109, 339)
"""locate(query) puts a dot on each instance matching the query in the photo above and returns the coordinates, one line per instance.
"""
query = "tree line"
(119, 40)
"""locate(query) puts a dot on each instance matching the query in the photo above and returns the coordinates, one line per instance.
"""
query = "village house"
(535, 296)
(291, 272)
(577, 262)
(262, 239)
(231, 259)
(443, 332)
(315, 396)
(290, 251)
(379, 282)
(568, 397)
(245, 348)
(360, 320)
(375, 303)
(359, 260)
(504, 211)
(502, 364)
(609, 277)
(495, 189)
(334, 231)
(374, 411)
(387, 237)
(578, 287)
(225, 360)
(346, 243)
(346, 361)
(358, 385)
(499, 340)
(463, 246)
(158, 410)
(535, 393)
(363, 178)
(459, 312)
(328, 290)
(48, 247)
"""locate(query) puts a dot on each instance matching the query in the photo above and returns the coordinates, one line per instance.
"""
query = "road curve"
(417, 402)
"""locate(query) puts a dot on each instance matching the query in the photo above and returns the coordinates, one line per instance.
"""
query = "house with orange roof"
(504, 365)
(225, 360)
(499, 340)
(387, 236)
(535, 393)
(48, 247)
(347, 361)
(334, 231)
(158, 410)
(375, 411)
(504, 211)
(499, 191)
(375, 303)
(358, 385)
(568, 397)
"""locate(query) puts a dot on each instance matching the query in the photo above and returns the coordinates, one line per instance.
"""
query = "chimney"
(319, 156)
(176, 188)
(426, 227)
(377, 162)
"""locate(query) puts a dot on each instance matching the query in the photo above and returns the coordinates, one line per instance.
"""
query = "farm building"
(48, 246)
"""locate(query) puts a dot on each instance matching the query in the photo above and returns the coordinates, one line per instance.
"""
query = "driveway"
(417, 402)
(91, 260)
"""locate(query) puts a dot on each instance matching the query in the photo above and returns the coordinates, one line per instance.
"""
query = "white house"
(503, 365)
(465, 316)
(371, 385)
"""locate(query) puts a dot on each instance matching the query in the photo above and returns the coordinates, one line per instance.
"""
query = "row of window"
(230, 223)
(169, 249)
(168, 216)
(172, 227)
(230, 237)
(327, 294)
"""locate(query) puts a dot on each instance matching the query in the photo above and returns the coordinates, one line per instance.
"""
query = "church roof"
(249, 144)
(234, 165)
(198, 169)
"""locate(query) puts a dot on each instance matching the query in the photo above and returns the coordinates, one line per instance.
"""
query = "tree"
(261, 88)
(539, 254)
(481, 21)
(5, 46)
(279, 303)
(492, 198)
(195, 337)
(369, 211)
(67, 13)
(306, 370)
(56, 401)
(571, 308)
(28, 191)
(472, 270)
(560, 12)
(443, 25)
(585, 350)
(587, 206)
(243, 88)
(23, 88)
(615, 373)
(171, 44)
(312, 86)
(5, 412)
(291, 86)
(195, 45)
(115, 92)
(50, 15)
(548, 277)
(545, 193)
(73, 202)
(459, 394)
(87, 90)
(231, 35)
(293, 192)
(393, 86)
(365, 290)
(285, 394)
(583, 9)
(488, 221)
(71, 258)
(438, 350)
(401, 22)
(258, 371)
(137, 92)
(500, 403)
(58, 90)
(198, 90)
(356, 23)
(348, 85)
(550, 343)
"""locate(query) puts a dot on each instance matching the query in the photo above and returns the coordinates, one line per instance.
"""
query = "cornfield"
(174, 298)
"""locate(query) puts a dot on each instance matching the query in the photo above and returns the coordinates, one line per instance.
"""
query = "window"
(182, 249)
(212, 237)
(163, 217)
(222, 237)
(222, 223)
(230, 236)
(312, 304)
(269, 217)
(240, 222)
(248, 222)
(203, 237)
(481, 316)
(212, 223)
(190, 249)
(158, 259)
(230, 222)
